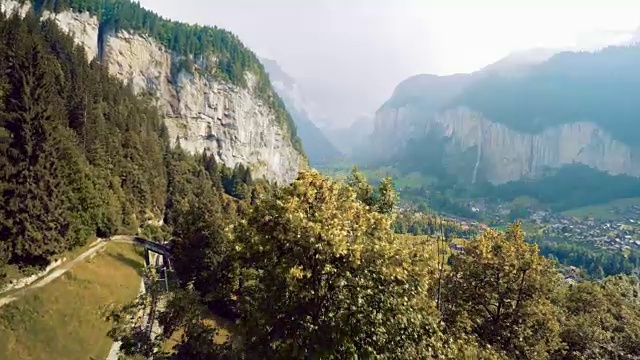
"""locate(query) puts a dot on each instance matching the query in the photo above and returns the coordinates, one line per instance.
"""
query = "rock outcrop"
(202, 112)
(504, 154)
(477, 147)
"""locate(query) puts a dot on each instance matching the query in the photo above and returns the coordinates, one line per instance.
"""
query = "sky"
(348, 55)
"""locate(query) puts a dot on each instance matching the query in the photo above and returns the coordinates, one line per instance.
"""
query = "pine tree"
(34, 201)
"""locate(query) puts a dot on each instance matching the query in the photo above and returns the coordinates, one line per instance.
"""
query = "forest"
(313, 270)
(558, 190)
(80, 155)
(596, 262)
(309, 270)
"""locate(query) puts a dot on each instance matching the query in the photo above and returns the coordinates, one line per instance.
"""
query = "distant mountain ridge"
(519, 117)
(314, 142)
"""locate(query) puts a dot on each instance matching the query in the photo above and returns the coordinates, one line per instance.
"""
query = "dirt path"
(60, 270)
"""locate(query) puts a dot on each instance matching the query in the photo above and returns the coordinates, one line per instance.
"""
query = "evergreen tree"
(35, 207)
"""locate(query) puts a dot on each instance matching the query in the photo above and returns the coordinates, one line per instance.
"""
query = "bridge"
(150, 246)
(163, 268)
(163, 262)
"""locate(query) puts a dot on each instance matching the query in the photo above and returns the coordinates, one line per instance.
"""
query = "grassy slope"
(14, 272)
(66, 319)
(602, 211)
(222, 326)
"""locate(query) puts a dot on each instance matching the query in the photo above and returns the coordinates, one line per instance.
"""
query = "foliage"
(320, 263)
(427, 224)
(383, 200)
(597, 262)
(601, 320)
(498, 283)
(309, 270)
(314, 270)
(560, 190)
(80, 155)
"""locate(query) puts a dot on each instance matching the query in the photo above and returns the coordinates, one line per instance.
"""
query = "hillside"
(518, 121)
(41, 324)
(316, 146)
(313, 268)
(213, 92)
(80, 153)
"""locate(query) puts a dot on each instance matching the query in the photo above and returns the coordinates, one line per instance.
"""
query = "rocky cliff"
(506, 123)
(203, 112)
(405, 112)
(503, 154)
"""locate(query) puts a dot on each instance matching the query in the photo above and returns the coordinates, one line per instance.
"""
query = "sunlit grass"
(66, 318)
(602, 211)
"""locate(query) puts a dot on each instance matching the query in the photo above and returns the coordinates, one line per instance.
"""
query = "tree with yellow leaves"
(326, 278)
(500, 290)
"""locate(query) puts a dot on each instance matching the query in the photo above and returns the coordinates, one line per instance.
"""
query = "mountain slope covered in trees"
(80, 154)
(203, 79)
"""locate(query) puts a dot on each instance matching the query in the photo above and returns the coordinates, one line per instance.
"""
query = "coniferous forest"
(309, 270)
(80, 154)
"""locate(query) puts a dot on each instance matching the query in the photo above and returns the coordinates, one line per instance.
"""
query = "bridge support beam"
(165, 263)
(147, 258)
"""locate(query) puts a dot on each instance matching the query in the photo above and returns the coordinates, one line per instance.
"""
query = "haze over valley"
(319, 180)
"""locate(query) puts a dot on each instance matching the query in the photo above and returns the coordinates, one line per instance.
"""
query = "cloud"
(348, 55)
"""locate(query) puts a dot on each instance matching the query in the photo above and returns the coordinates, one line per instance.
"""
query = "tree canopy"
(314, 270)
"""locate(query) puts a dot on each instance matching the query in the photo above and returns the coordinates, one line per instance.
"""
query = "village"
(620, 230)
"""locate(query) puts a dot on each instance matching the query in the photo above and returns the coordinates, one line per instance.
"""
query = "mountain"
(100, 100)
(213, 92)
(314, 142)
(352, 138)
(520, 119)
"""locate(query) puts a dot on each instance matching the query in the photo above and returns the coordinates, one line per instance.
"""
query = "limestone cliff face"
(412, 102)
(392, 126)
(203, 113)
(477, 147)
(503, 154)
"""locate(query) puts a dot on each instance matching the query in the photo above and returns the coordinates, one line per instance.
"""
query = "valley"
(493, 214)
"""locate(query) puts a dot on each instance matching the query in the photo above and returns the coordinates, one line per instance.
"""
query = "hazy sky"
(348, 55)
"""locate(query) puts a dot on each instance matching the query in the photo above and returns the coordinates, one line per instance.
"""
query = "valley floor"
(65, 318)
